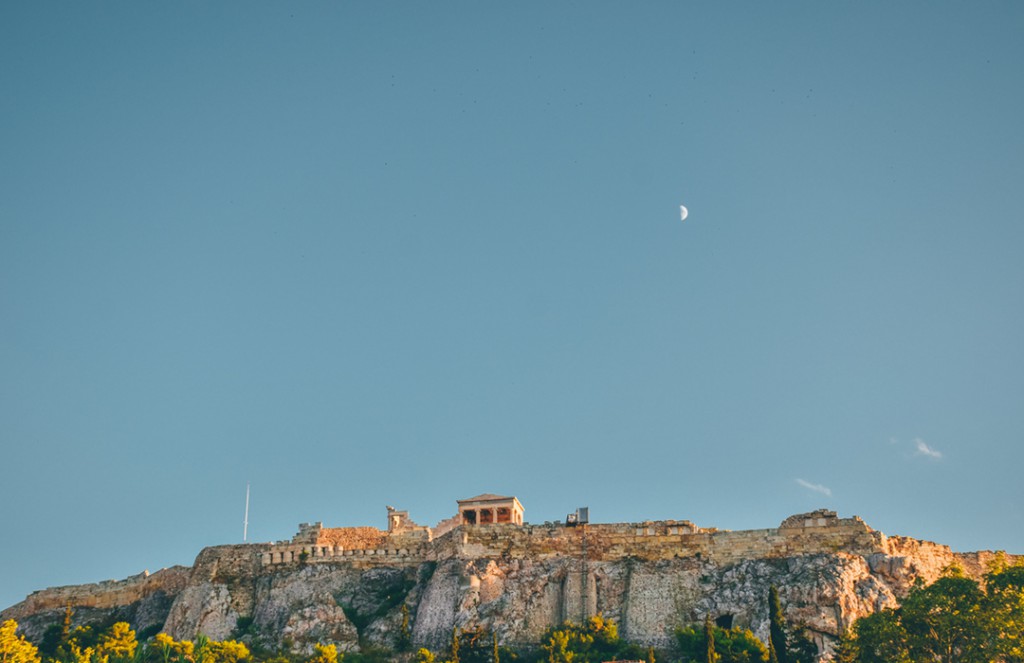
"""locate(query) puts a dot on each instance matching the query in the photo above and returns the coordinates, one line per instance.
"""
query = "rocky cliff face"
(518, 581)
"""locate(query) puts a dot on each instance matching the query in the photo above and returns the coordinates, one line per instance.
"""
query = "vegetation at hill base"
(954, 619)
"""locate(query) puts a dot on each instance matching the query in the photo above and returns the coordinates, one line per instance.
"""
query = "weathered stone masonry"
(515, 579)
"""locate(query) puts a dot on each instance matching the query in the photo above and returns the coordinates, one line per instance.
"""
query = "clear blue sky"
(364, 253)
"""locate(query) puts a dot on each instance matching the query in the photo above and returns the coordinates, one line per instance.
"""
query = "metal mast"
(245, 524)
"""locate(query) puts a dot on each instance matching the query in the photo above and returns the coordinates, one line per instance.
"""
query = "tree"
(800, 648)
(201, 650)
(228, 651)
(65, 628)
(557, 647)
(15, 648)
(118, 642)
(171, 649)
(734, 645)
(846, 648)
(596, 640)
(1003, 608)
(881, 638)
(777, 626)
(943, 621)
(404, 634)
(709, 641)
(476, 645)
(325, 654)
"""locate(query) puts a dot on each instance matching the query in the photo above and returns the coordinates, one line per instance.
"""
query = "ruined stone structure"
(490, 509)
(515, 579)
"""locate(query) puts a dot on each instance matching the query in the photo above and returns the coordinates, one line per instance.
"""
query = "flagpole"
(245, 525)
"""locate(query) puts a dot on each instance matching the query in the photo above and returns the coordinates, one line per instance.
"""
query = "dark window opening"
(724, 621)
(469, 517)
(486, 516)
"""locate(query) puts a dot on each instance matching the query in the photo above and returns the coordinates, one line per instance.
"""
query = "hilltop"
(486, 567)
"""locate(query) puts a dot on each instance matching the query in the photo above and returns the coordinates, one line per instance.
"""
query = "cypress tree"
(777, 624)
(65, 629)
(709, 641)
(846, 649)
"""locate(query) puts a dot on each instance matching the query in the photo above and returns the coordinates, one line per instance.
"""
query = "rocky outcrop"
(143, 599)
(519, 580)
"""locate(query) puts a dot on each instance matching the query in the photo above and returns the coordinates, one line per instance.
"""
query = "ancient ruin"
(486, 567)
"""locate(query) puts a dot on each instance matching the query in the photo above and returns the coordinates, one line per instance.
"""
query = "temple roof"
(486, 497)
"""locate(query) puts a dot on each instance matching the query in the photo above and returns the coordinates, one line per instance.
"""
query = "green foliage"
(597, 640)
(1003, 608)
(168, 649)
(118, 642)
(53, 637)
(777, 627)
(709, 641)
(952, 619)
(244, 626)
(881, 638)
(404, 633)
(370, 654)
(326, 654)
(148, 632)
(944, 619)
(15, 648)
(474, 646)
(846, 648)
(558, 648)
(734, 645)
(228, 651)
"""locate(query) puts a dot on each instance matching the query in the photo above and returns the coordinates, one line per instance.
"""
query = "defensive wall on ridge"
(811, 533)
(818, 532)
(102, 595)
(407, 544)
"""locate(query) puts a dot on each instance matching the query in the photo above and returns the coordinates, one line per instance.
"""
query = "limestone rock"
(517, 581)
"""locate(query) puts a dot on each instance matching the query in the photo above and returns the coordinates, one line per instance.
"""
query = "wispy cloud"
(924, 450)
(816, 487)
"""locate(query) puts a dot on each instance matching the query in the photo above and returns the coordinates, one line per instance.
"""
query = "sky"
(357, 254)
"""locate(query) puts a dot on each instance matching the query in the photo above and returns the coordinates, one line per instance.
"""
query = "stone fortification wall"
(517, 581)
(446, 526)
(820, 532)
(101, 595)
(349, 538)
(313, 554)
(406, 543)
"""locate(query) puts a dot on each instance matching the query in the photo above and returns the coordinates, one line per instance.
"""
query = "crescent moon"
(683, 213)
